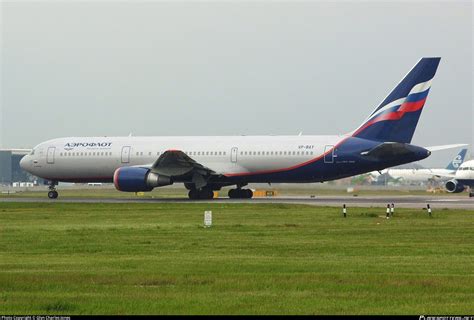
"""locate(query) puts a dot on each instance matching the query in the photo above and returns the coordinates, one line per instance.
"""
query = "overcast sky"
(187, 68)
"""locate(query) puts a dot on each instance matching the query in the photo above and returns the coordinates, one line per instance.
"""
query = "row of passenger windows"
(85, 154)
(191, 153)
(197, 153)
(467, 168)
(242, 153)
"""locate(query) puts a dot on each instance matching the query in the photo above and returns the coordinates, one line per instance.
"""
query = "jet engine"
(136, 179)
(454, 186)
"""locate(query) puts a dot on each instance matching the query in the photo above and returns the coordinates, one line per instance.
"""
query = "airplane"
(206, 164)
(422, 174)
(463, 178)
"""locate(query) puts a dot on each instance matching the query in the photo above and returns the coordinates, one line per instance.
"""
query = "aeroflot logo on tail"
(72, 145)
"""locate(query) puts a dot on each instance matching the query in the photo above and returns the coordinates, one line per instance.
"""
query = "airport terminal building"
(10, 170)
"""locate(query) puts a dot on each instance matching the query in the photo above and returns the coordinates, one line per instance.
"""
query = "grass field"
(63, 258)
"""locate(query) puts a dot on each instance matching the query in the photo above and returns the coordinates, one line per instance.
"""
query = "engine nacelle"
(136, 179)
(454, 186)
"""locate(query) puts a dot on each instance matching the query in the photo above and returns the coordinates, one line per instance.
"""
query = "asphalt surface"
(452, 202)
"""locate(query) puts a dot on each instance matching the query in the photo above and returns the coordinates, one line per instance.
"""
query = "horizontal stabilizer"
(388, 150)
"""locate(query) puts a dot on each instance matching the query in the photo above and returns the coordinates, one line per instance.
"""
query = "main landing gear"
(52, 193)
(204, 193)
(240, 193)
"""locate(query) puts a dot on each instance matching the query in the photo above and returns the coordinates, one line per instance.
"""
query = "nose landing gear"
(52, 193)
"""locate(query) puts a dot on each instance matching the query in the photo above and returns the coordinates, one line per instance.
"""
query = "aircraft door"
(329, 154)
(50, 155)
(126, 154)
(233, 154)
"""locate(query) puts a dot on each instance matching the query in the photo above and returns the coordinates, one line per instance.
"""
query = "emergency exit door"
(50, 155)
(233, 154)
(329, 154)
(126, 154)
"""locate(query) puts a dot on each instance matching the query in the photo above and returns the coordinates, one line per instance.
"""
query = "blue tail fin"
(456, 162)
(395, 119)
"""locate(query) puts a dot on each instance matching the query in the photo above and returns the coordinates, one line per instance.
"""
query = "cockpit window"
(32, 153)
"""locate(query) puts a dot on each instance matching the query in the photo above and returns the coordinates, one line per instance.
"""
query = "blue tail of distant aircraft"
(395, 119)
(457, 161)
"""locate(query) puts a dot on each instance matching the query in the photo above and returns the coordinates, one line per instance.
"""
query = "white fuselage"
(96, 158)
(420, 175)
(465, 171)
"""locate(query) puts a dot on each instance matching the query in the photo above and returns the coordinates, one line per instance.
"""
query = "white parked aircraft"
(205, 164)
(463, 178)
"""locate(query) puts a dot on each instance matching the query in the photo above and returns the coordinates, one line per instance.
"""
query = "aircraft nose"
(24, 163)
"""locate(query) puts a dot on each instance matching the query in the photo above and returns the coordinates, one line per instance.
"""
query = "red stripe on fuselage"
(242, 174)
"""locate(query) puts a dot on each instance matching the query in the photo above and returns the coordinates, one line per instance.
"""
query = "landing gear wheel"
(240, 193)
(53, 194)
(248, 193)
(207, 194)
(193, 194)
(234, 193)
(201, 194)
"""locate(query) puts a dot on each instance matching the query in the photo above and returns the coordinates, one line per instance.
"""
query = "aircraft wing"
(444, 176)
(174, 163)
(444, 147)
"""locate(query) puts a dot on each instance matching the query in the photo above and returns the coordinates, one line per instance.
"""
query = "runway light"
(392, 210)
(344, 210)
(429, 209)
(388, 211)
(207, 219)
